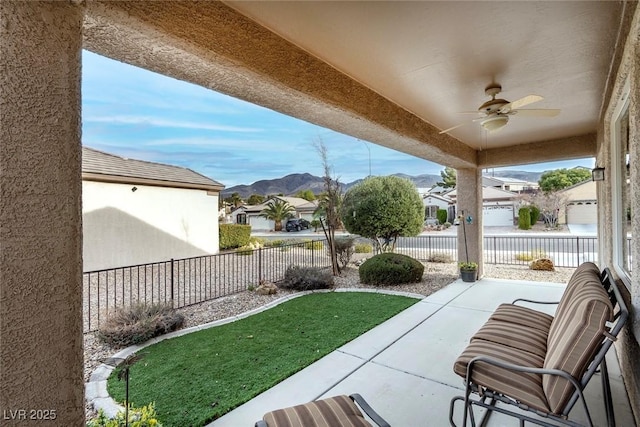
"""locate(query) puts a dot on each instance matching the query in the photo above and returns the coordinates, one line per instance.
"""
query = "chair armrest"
(367, 410)
(535, 302)
(261, 423)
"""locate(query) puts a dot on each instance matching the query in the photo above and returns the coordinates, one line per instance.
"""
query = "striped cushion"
(519, 315)
(575, 336)
(513, 335)
(523, 387)
(338, 411)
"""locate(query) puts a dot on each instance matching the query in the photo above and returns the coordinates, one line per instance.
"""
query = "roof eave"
(117, 179)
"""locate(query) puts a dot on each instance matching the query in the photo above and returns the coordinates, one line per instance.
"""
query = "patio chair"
(540, 363)
(337, 411)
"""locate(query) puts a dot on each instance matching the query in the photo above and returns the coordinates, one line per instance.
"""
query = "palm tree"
(277, 210)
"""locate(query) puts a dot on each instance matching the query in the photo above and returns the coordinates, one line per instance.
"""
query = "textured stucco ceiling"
(394, 73)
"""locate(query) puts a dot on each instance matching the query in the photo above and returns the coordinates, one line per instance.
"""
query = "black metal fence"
(568, 251)
(184, 282)
(189, 281)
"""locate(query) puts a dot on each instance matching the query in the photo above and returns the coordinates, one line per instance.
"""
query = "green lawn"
(199, 377)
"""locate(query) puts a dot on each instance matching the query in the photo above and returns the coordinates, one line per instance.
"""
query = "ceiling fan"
(495, 112)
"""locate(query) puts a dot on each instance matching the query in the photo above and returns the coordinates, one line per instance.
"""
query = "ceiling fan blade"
(537, 113)
(452, 128)
(518, 103)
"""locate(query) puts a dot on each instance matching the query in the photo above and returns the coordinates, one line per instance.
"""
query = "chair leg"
(606, 392)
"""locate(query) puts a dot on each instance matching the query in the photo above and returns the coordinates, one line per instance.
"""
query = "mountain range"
(291, 184)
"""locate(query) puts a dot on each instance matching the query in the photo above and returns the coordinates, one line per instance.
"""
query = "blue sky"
(142, 115)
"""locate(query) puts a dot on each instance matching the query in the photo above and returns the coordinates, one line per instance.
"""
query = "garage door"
(582, 212)
(260, 223)
(497, 216)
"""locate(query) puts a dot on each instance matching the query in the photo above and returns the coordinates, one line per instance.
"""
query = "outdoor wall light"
(134, 189)
(597, 174)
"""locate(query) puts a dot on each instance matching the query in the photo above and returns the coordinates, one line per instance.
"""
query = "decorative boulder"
(544, 264)
(266, 288)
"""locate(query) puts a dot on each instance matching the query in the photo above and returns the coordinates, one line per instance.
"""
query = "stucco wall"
(124, 227)
(469, 202)
(40, 220)
(627, 346)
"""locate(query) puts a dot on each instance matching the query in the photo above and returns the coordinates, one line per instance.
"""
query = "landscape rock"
(266, 288)
(544, 264)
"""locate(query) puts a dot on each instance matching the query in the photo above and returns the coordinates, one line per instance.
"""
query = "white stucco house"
(582, 204)
(498, 206)
(137, 212)
(433, 202)
(250, 214)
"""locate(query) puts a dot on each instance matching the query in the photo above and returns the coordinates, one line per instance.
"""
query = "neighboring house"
(251, 214)
(582, 204)
(509, 184)
(433, 202)
(498, 206)
(137, 212)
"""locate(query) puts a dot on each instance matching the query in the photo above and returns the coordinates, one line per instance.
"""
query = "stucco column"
(469, 200)
(41, 370)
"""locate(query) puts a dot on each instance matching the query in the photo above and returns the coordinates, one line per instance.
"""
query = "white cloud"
(160, 122)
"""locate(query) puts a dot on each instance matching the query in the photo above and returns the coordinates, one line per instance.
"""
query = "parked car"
(297, 224)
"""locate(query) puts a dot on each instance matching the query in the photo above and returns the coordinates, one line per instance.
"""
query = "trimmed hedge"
(234, 235)
(524, 218)
(535, 214)
(391, 269)
(307, 278)
(442, 215)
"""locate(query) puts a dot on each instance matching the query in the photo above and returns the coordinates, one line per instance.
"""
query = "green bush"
(524, 218)
(234, 235)
(530, 256)
(313, 245)
(274, 243)
(535, 214)
(245, 250)
(391, 269)
(306, 278)
(139, 323)
(138, 417)
(441, 214)
(363, 248)
(344, 250)
(447, 224)
(440, 257)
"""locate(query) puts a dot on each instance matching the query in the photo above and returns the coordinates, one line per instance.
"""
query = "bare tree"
(550, 204)
(329, 205)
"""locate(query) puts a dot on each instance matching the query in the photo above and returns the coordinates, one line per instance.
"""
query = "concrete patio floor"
(404, 367)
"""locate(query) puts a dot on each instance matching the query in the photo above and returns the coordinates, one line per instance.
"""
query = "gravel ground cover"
(436, 276)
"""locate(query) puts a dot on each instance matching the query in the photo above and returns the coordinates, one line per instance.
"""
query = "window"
(241, 218)
(621, 187)
(431, 211)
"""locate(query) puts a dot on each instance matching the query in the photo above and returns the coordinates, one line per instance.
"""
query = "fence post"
(259, 265)
(495, 250)
(577, 251)
(172, 304)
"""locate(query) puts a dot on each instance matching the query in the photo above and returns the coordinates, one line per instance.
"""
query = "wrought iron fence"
(184, 282)
(189, 281)
(568, 251)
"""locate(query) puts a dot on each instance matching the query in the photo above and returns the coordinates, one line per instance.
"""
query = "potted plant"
(468, 271)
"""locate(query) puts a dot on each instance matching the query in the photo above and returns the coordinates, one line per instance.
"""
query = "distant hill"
(291, 184)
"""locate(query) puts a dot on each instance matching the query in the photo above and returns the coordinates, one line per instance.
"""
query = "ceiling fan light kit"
(495, 123)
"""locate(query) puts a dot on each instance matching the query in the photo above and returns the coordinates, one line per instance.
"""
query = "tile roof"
(103, 165)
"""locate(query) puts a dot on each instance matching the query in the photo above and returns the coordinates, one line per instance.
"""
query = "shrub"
(535, 214)
(139, 323)
(441, 214)
(234, 235)
(530, 256)
(274, 243)
(440, 257)
(447, 224)
(138, 417)
(313, 245)
(524, 218)
(363, 248)
(391, 269)
(344, 250)
(245, 251)
(307, 278)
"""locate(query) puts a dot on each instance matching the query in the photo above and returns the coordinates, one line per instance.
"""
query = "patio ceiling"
(394, 73)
